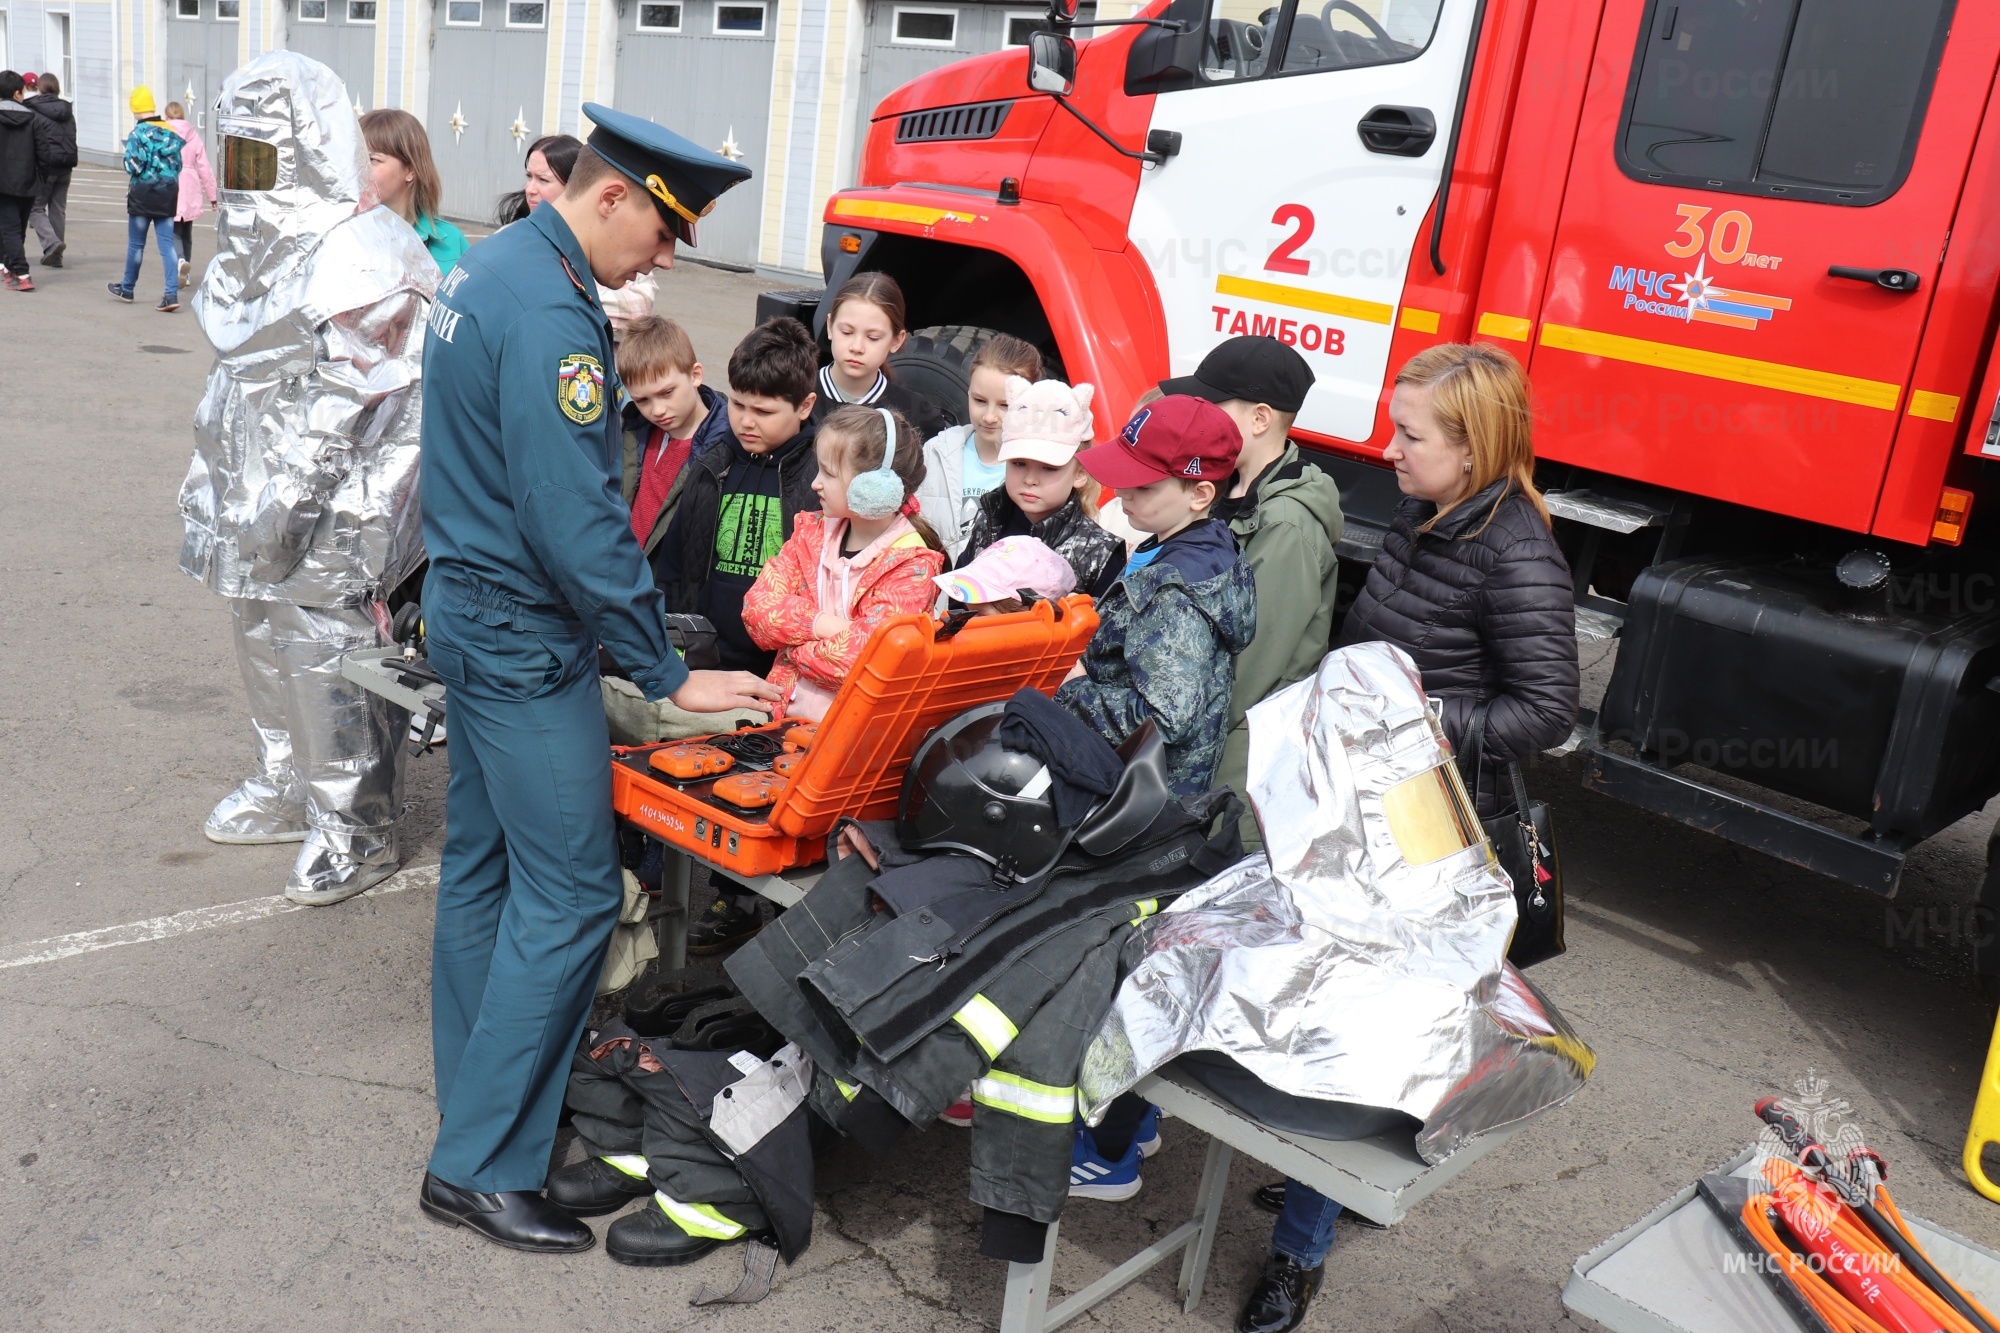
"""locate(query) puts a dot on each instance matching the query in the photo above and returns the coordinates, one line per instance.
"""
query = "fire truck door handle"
(1400, 131)
(1888, 279)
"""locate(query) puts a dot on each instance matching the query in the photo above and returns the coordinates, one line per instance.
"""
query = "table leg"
(1207, 1212)
(1027, 1304)
(676, 880)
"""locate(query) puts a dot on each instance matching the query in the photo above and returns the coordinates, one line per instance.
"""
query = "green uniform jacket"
(1287, 541)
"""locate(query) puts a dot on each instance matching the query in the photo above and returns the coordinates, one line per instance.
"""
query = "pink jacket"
(197, 177)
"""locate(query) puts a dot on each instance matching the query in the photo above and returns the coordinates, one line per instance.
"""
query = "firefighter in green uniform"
(533, 565)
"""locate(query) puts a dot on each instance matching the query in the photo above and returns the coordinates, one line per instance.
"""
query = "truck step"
(1597, 626)
(1613, 513)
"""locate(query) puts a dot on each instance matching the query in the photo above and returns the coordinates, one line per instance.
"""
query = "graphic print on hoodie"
(749, 530)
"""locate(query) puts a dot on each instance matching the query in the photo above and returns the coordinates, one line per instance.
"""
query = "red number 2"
(1281, 260)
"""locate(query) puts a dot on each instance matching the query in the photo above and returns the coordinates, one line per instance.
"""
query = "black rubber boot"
(1278, 1302)
(723, 926)
(594, 1187)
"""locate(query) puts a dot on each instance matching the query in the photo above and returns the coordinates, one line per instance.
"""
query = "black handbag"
(1525, 843)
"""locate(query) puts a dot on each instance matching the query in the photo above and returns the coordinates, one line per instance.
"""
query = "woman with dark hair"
(406, 180)
(545, 174)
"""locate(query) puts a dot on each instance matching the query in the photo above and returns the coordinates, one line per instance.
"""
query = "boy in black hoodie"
(744, 490)
(742, 493)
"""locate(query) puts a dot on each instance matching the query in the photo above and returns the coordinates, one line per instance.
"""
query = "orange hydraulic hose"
(1850, 1231)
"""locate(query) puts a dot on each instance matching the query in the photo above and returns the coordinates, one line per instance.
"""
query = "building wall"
(795, 100)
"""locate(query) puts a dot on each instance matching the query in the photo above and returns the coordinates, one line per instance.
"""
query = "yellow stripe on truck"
(883, 210)
(1418, 321)
(1934, 406)
(1505, 326)
(1719, 366)
(1304, 298)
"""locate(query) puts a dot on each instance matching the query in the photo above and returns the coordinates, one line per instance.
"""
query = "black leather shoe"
(518, 1219)
(594, 1187)
(723, 926)
(651, 1239)
(1278, 1302)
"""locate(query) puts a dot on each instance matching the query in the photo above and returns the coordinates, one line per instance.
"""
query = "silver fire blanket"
(303, 484)
(1364, 960)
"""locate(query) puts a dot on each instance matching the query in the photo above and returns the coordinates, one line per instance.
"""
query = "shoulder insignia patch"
(580, 388)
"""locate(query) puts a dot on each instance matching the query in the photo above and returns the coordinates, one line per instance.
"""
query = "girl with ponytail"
(865, 558)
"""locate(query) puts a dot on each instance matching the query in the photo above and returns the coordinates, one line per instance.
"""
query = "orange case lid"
(906, 684)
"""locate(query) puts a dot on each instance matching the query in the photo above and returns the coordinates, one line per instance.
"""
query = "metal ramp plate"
(1673, 1272)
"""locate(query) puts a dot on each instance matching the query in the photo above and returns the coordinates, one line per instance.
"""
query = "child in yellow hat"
(153, 161)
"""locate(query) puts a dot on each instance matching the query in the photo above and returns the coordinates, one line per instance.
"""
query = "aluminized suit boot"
(270, 805)
(347, 748)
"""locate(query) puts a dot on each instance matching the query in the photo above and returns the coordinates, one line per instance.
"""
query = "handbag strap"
(1474, 759)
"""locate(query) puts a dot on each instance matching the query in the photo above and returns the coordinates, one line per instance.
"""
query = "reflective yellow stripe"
(847, 1090)
(1935, 406)
(1418, 321)
(894, 212)
(631, 1163)
(1505, 326)
(698, 1219)
(993, 1030)
(1718, 366)
(1304, 298)
(1146, 908)
(1025, 1098)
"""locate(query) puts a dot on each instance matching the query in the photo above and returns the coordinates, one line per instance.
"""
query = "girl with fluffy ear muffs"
(865, 558)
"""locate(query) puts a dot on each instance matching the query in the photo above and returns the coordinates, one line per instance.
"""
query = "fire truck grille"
(973, 120)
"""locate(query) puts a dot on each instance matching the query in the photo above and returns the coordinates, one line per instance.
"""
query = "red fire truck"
(1748, 250)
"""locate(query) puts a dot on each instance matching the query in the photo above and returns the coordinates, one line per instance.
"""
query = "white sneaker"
(186, 268)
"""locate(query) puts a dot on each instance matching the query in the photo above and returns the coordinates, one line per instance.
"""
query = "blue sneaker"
(1092, 1177)
(1147, 1135)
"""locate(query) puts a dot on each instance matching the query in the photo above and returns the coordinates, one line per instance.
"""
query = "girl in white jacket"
(962, 463)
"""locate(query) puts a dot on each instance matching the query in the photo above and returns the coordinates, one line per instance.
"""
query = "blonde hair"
(174, 111)
(652, 347)
(1479, 398)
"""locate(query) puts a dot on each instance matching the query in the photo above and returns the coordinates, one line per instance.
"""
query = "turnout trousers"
(529, 888)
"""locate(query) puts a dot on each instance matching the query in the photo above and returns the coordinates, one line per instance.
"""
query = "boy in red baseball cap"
(1168, 633)
(1170, 627)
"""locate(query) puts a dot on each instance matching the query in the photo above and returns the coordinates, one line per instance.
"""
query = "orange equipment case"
(909, 681)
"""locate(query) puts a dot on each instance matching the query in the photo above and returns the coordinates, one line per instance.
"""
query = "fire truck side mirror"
(1062, 13)
(1052, 63)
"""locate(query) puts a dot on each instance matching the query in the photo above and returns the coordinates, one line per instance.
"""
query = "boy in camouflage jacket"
(1169, 630)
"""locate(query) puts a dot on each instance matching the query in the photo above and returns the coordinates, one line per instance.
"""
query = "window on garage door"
(659, 17)
(526, 13)
(739, 20)
(1813, 99)
(312, 11)
(464, 13)
(924, 27)
(187, 9)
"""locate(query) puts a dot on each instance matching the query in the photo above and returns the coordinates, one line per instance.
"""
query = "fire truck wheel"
(937, 361)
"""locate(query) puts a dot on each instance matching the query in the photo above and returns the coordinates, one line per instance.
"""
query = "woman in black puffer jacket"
(1471, 585)
(1470, 582)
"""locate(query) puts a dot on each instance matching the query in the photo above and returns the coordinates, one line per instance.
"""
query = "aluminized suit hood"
(1362, 958)
(301, 109)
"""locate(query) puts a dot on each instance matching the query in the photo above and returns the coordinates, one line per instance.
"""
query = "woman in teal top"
(406, 179)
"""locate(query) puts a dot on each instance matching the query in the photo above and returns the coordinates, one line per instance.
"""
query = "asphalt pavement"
(215, 1110)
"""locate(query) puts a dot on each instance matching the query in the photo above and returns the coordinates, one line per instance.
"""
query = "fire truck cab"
(1747, 249)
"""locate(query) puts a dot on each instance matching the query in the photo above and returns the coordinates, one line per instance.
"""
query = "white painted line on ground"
(187, 923)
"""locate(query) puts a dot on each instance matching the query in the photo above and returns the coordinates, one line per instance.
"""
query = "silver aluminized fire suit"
(300, 503)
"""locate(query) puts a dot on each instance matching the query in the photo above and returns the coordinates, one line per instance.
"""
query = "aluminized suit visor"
(1362, 958)
(302, 486)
